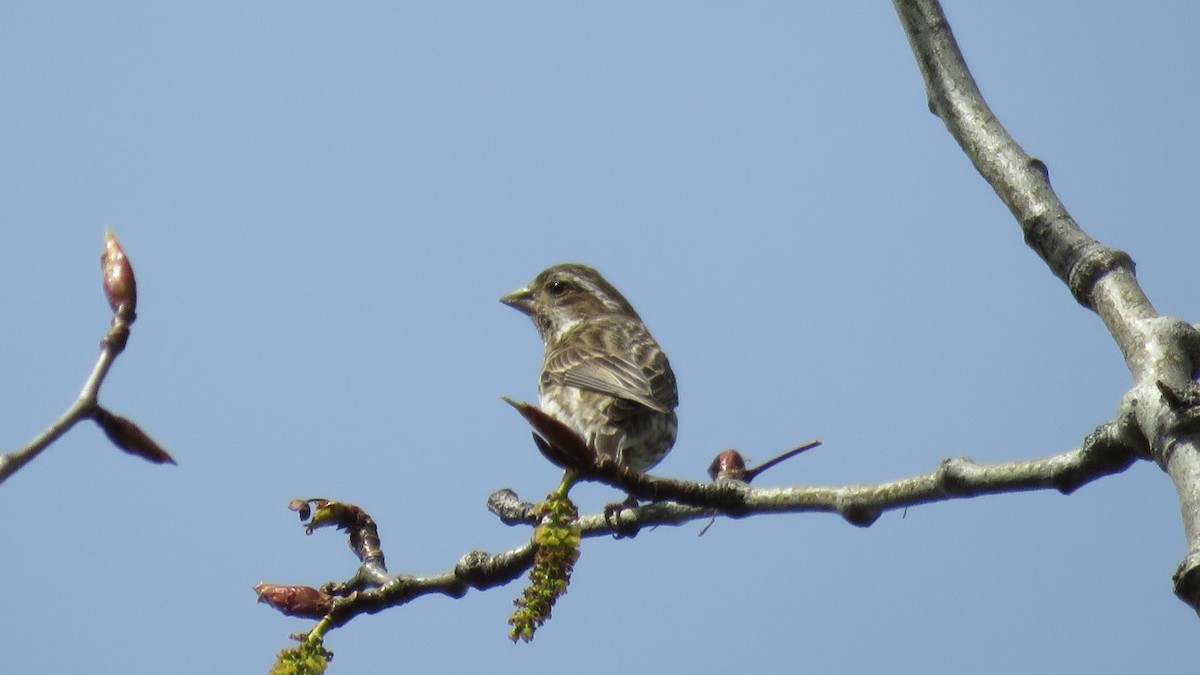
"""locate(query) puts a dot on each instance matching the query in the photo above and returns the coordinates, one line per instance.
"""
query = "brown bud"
(302, 601)
(728, 465)
(120, 288)
(557, 442)
(129, 437)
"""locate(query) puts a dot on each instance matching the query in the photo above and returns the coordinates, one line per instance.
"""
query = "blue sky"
(323, 202)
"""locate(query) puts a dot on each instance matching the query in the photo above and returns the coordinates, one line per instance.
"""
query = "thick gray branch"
(1160, 352)
(1021, 181)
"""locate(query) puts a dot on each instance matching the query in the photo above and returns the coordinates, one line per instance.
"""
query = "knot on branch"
(1071, 254)
(483, 570)
(511, 510)
(1110, 448)
(1090, 262)
(956, 476)
(1184, 402)
(1040, 167)
(859, 515)
(477, 569)
(473, 567)
(1186, 579)
(853, 510)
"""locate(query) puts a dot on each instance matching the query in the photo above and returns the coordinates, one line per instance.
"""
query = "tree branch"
(1159, 351)
(121, 291)
(1105, 451)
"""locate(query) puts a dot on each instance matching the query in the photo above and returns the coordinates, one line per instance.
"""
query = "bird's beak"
(520, 300)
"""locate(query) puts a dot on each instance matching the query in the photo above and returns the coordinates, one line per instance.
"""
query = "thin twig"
(81, 409)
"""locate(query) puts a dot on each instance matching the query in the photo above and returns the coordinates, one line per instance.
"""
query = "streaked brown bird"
(603, 374)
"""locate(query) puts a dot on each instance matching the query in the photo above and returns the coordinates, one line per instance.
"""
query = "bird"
(603, 374)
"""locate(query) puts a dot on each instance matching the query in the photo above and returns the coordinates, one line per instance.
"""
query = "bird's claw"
(612, 517)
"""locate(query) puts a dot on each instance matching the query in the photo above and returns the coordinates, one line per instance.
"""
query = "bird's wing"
(614, 376)
(603, 361)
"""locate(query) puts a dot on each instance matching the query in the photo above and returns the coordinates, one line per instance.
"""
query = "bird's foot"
(622, 529)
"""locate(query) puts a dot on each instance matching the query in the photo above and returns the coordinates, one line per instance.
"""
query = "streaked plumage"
(602, 373)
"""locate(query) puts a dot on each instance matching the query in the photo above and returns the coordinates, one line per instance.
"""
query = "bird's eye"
(558, 287)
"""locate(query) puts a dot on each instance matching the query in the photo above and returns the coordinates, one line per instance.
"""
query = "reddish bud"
(129, 437)
(557, 442)
(729, 465)
(120, 288)
(302, 601)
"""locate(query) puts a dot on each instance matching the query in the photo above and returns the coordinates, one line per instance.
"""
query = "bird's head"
(563, 295)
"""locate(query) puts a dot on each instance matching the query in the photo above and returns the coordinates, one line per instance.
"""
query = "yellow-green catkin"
(557, 536)
(307, 658)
